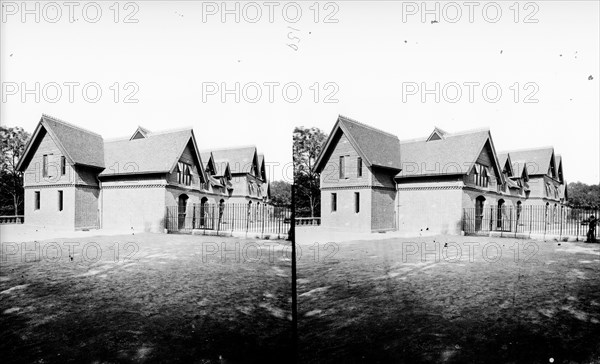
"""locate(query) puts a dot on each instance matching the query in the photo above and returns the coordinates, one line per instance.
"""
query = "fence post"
(248, 218)
(560, 225)
(262, 232)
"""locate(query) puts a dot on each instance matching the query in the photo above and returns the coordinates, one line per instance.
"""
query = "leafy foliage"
(584, 195)
(12, 144)
(281, 193)
(307, 147)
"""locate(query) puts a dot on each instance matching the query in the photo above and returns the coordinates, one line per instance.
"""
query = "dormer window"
(480, 175)
(184, 173)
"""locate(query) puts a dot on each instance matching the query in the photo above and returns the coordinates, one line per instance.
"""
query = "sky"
(169, 65)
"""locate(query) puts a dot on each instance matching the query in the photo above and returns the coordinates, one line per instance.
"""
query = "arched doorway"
(479, 202)
(203, 212)
(500, 214)
(221, 210)
(182, 207)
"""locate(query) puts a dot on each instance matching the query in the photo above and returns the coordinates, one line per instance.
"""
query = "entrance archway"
(479, 202)
(182, 207)
(500, 214)
(203, 211)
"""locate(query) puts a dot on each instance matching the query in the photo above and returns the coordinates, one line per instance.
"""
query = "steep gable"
(78, 145)
(239, 160)
(140, 133)
(375, 147)
(437, 134)
(539, 161)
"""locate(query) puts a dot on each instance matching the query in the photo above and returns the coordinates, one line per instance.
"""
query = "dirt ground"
(398, 301)
(145, 298)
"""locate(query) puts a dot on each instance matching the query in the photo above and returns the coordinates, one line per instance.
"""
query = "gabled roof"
(156, 153)
(559, 169)
(261, 167)
(239, 159)
(375, 147)
(506, 163)
(456, 154)
(537, 161)
(209, 162)
(437, 134)
(140, 133)
(78, 145)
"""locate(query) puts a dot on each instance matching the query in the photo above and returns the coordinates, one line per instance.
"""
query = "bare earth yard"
(163, 298)
(384, 301)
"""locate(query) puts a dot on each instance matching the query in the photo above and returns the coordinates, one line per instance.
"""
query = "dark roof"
(455, 154)
(537, 160)
(240, 159)
(157, 153)
(376, 147)
(80, 146)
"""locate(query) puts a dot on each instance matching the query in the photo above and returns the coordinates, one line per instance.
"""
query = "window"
(359, 167)
(356, 202)
(188, 176)
(63, 165)
(37, 200)
(45, 165)
(333, 202)
(184, 173)
(342, 167)
(60, 200)
(480, 175)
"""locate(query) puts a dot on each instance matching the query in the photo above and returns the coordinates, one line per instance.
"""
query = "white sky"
(170, 52)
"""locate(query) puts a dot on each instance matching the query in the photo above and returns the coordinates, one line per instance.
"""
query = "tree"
(583, 195)
(307, 147)
(281, 193)
(12, 144)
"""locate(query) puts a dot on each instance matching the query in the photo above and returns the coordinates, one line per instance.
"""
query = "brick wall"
(345, 218)
(430, 206)
(48, 215)
(330, 176)
(137, 207)
(383, 215)
(86, 207)
(33, 174)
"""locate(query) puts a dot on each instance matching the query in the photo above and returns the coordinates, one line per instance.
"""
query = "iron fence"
(229, 217)
(560, 221)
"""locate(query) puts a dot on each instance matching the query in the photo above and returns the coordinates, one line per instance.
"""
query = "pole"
(294, 287)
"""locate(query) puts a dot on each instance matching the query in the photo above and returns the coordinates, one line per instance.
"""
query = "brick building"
(372, 181)
(75, 179)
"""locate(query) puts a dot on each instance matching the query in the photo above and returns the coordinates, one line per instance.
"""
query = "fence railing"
(15, 219)
(556, 220)
(256, 218)
(307, 221)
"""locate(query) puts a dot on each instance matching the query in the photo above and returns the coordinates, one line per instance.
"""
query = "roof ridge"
(469, 131)
(366, 126)
(231, 148)
(169, 131)
(528, 149)
(55, 119)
